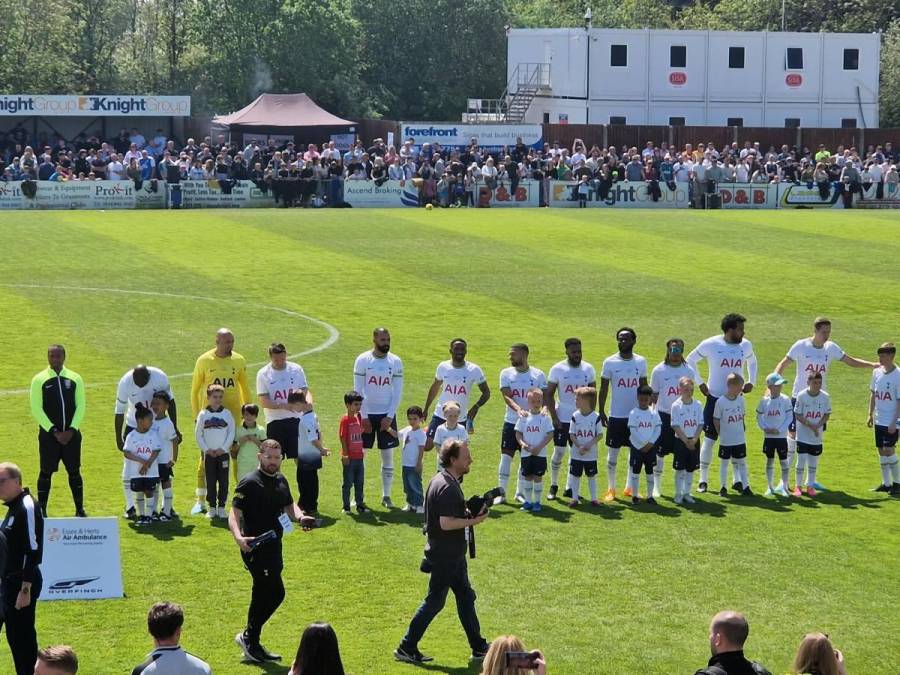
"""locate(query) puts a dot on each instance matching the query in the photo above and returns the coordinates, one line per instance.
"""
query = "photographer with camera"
(448, 525)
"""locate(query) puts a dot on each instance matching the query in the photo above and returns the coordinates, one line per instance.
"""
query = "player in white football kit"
(168, 454)
(564, 379)
(378, 376)
(728, 420)
(774, 413)
(515, 382)
(585, 431)
(687, 423)
(454, 380)
(624, 372)
(643, 437)
(814, 355)
(884, 415)
(141, 450)
(725, 354)
(534, 432)
(450, 430)
(664, 379)
(138, 386)
(274, 383)
(811, 413)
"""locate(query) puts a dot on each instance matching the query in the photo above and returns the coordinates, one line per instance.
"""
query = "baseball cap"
(775, 379)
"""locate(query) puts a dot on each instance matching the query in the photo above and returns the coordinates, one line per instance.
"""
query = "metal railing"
(524, 83)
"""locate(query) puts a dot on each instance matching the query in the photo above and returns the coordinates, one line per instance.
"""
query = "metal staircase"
(526, 82)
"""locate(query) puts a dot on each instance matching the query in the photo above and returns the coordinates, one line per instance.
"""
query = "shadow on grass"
(844, 500)
(472, 669)
(778, 505)
(398, 517)
(268, 667)
(164, 531)
(705, 506)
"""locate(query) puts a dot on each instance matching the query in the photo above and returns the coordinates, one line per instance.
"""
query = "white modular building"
(692, 77)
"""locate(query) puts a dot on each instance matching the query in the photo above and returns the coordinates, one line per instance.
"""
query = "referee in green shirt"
(57, 404)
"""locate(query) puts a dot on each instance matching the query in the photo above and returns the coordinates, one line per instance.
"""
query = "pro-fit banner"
(626, 194)
(489, 136)
(81, 559)
(84, 194)
(106, 105)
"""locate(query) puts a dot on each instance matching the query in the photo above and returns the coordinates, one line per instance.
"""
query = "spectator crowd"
(450, 176)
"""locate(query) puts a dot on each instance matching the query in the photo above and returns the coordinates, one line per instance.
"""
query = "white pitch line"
(333, 333)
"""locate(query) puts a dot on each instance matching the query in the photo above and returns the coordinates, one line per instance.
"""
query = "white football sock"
(503, 472)
(521, 486)
(612, 457)
(801, 468)
(679, 481)
(139, 502)
(387, 471)
(592, 486)
(525, 489)
(575, 485)
(792, 454)
(706, 454)
(167, 501)
(559, 454)
(537, 489)
(770, 472)
(650, 478)
(634, 482)
(785, 471)
(153, 502)
(812, 465)
(658, 470)
(688, 483)
(894, 464)
(129, 495)
(723, 472)
(739, 467)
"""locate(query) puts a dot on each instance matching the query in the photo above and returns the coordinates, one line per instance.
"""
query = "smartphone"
(521, 660)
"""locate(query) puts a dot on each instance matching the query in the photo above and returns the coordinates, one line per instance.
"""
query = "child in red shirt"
(352, 452)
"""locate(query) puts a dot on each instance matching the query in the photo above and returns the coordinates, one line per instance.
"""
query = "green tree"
(890, 76)
(36, 60)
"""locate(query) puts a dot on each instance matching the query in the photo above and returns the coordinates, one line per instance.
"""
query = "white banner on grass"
(208, 194)
(625, 194)
(105, 194)
(451, 135)
(81, 559)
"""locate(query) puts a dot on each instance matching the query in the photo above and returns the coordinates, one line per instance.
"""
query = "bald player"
(224, 366)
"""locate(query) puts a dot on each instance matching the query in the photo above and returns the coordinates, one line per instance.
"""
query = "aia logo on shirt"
(570, 389)
(532, 429)
(227, 382)
(773, 413)
(379, 380)
(518, 393)
(731, 363)
(884, 395)
(815, 368)
(627, 383)
(690, 424)
(585, 433)
(281, 394)
(645, 425)
(456, 390)
(672, 390)
(734, 418)
(813, 415)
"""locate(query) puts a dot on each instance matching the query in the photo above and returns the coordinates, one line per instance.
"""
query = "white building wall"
(710, 87)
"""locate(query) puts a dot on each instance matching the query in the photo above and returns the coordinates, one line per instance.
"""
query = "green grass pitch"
(613, 590)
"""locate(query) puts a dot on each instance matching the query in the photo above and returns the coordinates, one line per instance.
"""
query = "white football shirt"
(411, 443)
(277, 384)
(586, 430)
(142, 445)
(887, 388)
(774, 413)
(645, 427)
(457, 385)
(664, 382)
(811, 359)
(811, 408)
(731, 420)
(380, 381)
(165, 431)
(624, 379)
(534, 430)
(519, 382)
(567, 379)
(128, 394)
(688, 416)
(723, 358)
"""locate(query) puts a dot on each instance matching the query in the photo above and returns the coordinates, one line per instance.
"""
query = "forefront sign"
(459, 135)
(111, 105)
(81, 559)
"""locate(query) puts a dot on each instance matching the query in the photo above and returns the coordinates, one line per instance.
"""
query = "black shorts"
(792, 427)
(638, 460)
(385, 440)
(666, 434)
(685, 459)
(883, 439)
(286, 432)
(165, 473)
(534, 466)
(508, 442)
(561, 436)
(143, 484)
(808, 449)
(51, 452)
(732, 451)
(578, 466)
(433, 425)
(709, 427)
(773, 445)
(617, 434)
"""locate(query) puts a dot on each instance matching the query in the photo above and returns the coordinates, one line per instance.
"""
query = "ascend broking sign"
(81, 559)
(450, 135)
(100, 105)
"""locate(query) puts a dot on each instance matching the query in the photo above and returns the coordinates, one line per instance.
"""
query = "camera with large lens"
(479, 503)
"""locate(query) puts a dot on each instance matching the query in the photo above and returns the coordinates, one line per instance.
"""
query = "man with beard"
(565, 378)
(625, 371)
(378, 376)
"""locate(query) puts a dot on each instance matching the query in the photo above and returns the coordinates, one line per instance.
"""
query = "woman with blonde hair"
(817, 656)
(495, 661)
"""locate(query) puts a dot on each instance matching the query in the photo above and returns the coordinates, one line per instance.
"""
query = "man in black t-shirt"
(262, 504)
(447, 522)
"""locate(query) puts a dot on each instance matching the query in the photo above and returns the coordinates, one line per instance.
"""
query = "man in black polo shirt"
(262, 504)
(23, 528)
(728, 632)
(447, 523)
